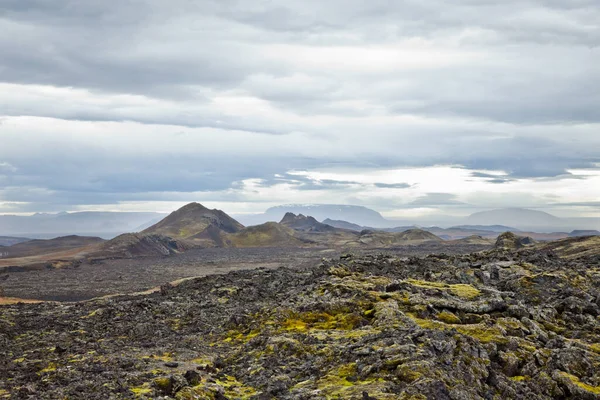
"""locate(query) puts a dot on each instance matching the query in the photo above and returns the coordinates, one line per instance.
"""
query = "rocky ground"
(86, 280)
(494, 325)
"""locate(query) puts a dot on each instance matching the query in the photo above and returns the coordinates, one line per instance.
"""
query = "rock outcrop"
(510, 241)
(513, 325)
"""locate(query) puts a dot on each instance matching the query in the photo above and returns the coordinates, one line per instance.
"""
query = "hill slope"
(6, 241)
(130, 245)
(518, 217)
(192, 222)
(38, 247)
(343, 224)
(382, 239)
(270, 234)
(574, 247)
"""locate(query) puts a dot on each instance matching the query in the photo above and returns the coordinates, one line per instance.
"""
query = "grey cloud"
(393, 185)
(497, 179)
(511, 66)
(127, 48)
(436, 200)
(580, 204)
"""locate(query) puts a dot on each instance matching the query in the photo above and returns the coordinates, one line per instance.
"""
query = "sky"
(413, 108)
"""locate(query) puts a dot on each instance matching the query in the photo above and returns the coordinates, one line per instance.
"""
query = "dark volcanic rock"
(510, 241)
(481, 326)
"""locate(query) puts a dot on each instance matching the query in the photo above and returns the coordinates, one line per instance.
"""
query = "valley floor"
(118, 276)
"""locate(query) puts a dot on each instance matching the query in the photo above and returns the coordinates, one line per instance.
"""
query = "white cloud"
(106, 105)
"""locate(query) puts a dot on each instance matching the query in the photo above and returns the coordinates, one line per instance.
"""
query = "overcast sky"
(410, 107)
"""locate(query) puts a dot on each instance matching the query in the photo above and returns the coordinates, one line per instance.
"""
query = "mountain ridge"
(196, 223)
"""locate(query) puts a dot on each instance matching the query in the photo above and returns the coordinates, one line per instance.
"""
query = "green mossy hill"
(495, 325)
(270, 234)
(193, 219)
(389, 239)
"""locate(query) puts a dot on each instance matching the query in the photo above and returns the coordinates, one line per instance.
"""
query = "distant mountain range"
(514, 217)
(9, 240)
(501, 220)
(197, 227)
(102, 224)
(356, 214)
(213, 225)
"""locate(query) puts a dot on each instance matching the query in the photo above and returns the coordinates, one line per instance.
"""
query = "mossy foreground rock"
(493, 325)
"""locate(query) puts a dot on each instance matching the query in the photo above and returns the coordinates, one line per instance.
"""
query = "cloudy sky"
(409, 107)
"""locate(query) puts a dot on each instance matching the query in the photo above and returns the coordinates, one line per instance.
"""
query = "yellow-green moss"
(236, 336)
(342, 383)
(407, 373)
(460, 290)
(519, 378)
(50, 368)
(294, 325)
(236, 389)
(480, 332)
(304, 322)
(575, 380)
(448, 318)
(165, 357)
(340, 271)
(141, 390)
(163, 383)
(344, 334)
(92, 314)
(529, 347)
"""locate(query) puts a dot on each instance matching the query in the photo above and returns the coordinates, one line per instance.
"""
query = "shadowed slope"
(131, 245)
(38, 247)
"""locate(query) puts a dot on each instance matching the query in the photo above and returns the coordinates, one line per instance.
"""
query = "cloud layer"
(147, 104)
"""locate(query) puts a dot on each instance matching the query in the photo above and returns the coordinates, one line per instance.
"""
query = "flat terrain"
(86, 281)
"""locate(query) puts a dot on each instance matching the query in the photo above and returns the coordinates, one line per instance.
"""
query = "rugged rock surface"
(510, 241)
(305, 223)
(130, 245)
(495, 325)
(574, 247)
